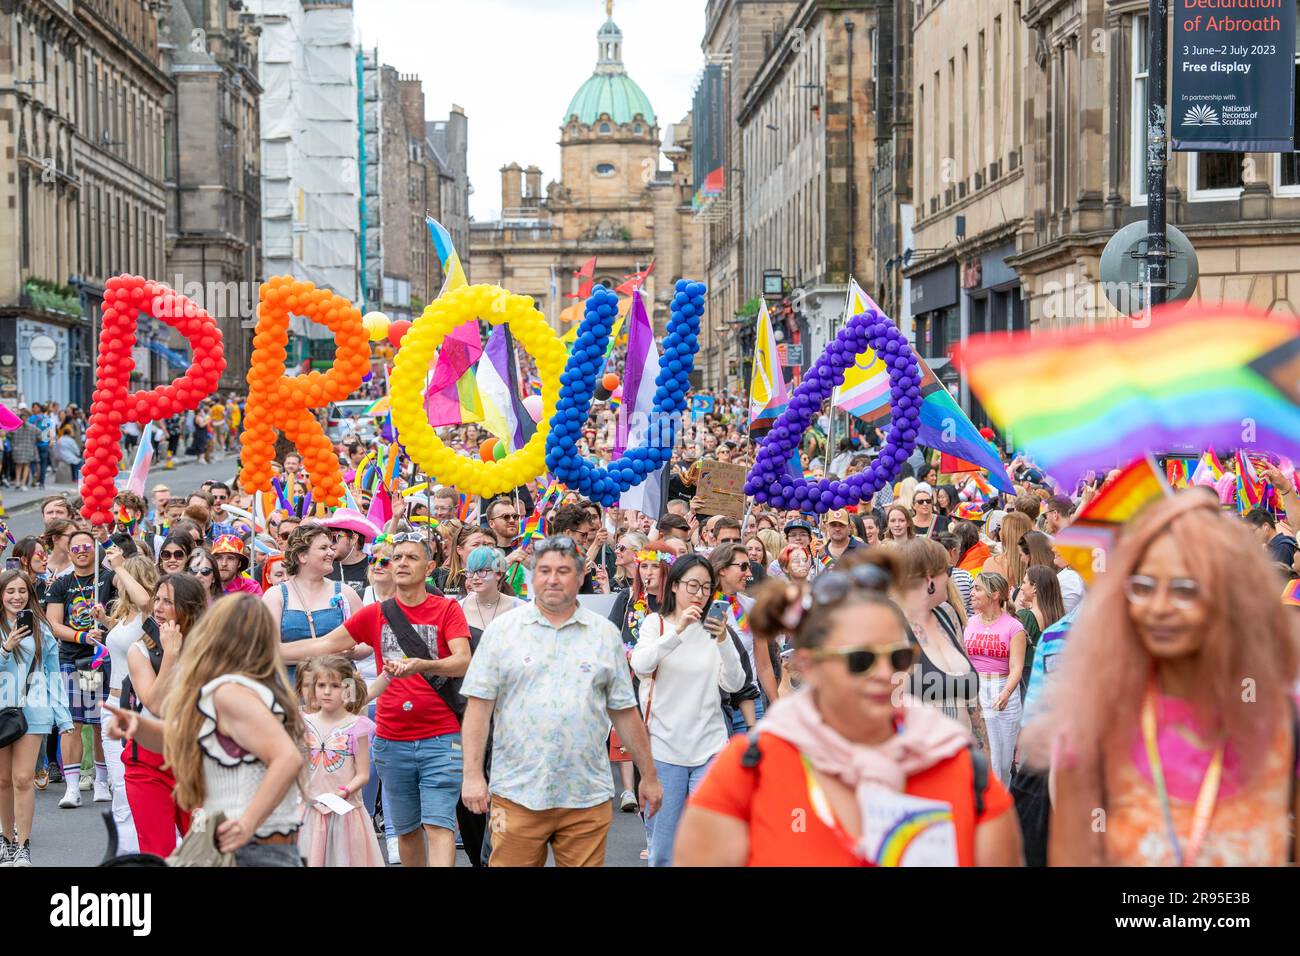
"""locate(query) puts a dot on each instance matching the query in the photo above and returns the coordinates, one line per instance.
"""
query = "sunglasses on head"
(860, 660)
(558, 543)
(837, 585)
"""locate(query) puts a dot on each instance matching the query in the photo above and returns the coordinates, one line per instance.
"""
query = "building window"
(637, 129)
(1214, 176)
(1138, 109)
(605, 128)
(605, 169)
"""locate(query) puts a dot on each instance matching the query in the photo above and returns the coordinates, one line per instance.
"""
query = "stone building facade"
(807, 134)
(213, 169)
(969, 177)
(612, 201)
(738, 37)
(1085, 159)
(82, 114)
(1030, 153)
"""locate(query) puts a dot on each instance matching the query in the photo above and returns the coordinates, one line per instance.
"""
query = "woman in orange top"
(866, 775)
(1171, 716)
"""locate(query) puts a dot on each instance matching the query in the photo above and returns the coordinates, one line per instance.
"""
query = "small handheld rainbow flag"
(101, 655)
(1291, 594)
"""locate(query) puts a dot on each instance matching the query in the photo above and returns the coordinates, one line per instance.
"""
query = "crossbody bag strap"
(448, 688)
(654, 682)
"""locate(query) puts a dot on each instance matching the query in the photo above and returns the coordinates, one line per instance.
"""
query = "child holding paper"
(337, 830)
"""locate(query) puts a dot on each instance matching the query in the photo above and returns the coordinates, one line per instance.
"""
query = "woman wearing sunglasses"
(175, 552)
(203, 565)
(1172, 709)
(850, 754)
(625, 553)
(684, 657)
(925, 520)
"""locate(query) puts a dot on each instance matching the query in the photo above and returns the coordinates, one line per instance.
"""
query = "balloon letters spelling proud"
(113, 404)
(421, 342)
(278, 402)
(771, 480)
(606, 484)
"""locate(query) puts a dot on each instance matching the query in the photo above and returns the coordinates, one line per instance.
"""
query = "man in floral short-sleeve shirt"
(554, 675)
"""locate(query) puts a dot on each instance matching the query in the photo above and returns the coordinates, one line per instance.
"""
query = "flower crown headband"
(663, 557)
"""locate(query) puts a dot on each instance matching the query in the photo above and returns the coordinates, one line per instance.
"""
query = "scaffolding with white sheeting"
(311, 129)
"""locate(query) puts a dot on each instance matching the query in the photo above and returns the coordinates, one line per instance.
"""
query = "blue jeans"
(372, 785)
(422, 779)
(738, 717)
(44, 452)
(661, 829)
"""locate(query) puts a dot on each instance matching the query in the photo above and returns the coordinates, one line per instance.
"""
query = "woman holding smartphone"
(29, 662)
(684, 655)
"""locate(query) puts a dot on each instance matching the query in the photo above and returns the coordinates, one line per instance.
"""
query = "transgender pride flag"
(143, 459)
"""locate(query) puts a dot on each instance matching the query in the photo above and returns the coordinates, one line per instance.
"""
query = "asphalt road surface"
(78, 837)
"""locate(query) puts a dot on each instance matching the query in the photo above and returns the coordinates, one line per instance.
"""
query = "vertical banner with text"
(1233, 76)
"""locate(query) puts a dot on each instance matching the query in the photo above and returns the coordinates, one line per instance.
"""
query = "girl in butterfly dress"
(337, 738)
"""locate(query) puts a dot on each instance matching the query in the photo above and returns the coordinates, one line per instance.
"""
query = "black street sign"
(1233, 76)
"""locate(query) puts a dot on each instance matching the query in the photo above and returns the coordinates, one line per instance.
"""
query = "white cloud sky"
(515, 64)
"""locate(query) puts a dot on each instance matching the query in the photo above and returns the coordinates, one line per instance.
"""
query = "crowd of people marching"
(319, 687)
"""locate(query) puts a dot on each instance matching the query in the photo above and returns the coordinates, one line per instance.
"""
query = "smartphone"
(718, 609)
(13, 564)
(25, 619)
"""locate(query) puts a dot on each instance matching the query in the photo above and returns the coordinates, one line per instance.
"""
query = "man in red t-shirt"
(417, 749)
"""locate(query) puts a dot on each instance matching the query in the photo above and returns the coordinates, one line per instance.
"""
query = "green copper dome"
(616, 94)
(610, 90)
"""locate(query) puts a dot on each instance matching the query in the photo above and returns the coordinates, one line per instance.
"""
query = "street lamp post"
(1157, 254)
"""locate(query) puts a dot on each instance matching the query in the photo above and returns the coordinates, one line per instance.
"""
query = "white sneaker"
(103, 793)
(23, 854)
(393, 856)
(70, 800)
(87, 782)
(627, 802)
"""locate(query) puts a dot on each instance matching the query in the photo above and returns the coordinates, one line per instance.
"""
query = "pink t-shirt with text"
(988, 645)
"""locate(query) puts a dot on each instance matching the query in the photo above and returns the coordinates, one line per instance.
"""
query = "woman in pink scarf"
(850, 770)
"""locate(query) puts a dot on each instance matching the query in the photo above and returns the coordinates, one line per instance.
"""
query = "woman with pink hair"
(1172, 713)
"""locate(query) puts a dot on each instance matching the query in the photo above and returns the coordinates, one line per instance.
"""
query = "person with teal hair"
(488, 594)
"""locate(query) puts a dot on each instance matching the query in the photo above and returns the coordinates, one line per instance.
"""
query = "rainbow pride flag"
(1087, 399)
(1087, 541)
(1291, 594)
(1121, 498)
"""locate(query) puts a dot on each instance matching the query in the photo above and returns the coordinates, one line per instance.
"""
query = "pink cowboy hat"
(349, 519)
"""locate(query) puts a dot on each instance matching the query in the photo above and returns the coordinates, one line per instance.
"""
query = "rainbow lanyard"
(738, 614)
(1205, 799)
(821, 805)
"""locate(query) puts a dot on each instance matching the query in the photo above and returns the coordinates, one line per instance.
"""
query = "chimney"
(534, 179)
(511, 188)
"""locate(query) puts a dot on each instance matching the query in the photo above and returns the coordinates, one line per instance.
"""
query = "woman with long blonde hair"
(232, 733)
(1009, 562)
(1173, 708)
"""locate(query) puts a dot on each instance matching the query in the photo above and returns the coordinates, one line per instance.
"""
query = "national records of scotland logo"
(1201, 116)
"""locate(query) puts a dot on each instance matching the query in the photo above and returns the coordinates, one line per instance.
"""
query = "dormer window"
(605, 128)
(637, 129)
